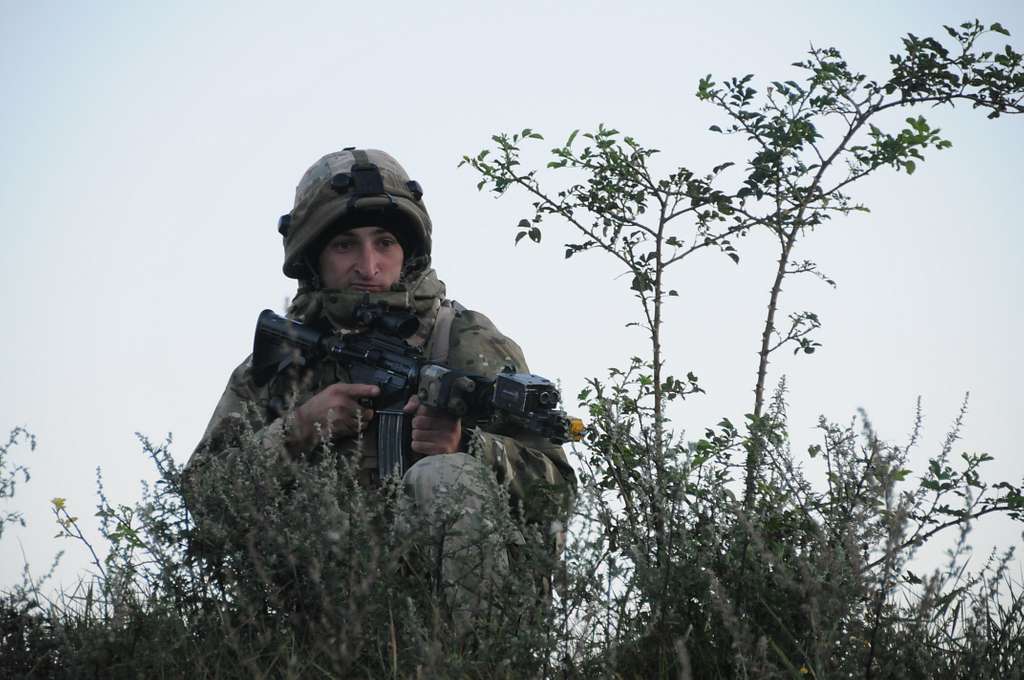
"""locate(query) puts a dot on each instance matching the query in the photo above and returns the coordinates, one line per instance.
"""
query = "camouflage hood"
(421, 293)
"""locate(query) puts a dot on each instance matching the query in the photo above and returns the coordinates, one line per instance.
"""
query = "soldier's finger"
(429, 437)
(437, 414)
(421, 422)
(357, 390)
(427, 448)
(412, 405)
(350, 419)
(431, 411)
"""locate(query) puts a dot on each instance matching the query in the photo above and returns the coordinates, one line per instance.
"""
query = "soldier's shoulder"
(473, 322)
(471, 319)
(478, 346)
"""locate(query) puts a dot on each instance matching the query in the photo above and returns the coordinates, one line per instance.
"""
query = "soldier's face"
(366, 259)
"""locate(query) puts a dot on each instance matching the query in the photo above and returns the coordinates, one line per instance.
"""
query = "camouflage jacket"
(537, 472)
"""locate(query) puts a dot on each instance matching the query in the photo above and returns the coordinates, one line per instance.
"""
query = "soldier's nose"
(368, 262)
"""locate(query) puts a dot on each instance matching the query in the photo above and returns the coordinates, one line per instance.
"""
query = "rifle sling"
(440, 337)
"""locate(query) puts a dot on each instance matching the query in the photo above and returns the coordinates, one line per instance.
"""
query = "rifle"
(381, 356)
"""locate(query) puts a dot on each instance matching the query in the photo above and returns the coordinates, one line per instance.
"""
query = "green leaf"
(715, 128)
(640, 283)
(998, 28)
(910, 167)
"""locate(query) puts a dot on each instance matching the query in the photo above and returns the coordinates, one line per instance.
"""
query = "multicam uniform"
(537, 471)
(372, 187)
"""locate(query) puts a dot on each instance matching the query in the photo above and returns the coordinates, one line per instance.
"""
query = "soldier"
(359, 231)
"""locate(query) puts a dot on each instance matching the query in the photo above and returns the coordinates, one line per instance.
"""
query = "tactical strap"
(440, 337)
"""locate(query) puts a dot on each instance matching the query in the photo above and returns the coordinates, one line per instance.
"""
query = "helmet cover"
(352, 188)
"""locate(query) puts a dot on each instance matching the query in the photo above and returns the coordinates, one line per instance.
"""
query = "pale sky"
(148, 152)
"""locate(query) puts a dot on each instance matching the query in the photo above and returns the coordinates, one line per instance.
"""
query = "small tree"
(784, 578)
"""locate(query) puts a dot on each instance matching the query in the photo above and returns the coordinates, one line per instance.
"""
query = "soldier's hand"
(336, 409)
(433, 431)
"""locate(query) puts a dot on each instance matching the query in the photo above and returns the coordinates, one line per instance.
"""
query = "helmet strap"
(313, 276)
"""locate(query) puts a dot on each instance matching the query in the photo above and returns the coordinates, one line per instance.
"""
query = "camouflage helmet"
(348, 188)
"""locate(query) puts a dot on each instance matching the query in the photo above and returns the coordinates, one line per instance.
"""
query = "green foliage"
(724, 557)
(293, 571)
(720, 558)
(9, 474)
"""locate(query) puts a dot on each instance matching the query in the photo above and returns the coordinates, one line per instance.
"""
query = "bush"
(715, 558)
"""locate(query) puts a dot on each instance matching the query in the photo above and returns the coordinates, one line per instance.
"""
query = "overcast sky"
(148, 151)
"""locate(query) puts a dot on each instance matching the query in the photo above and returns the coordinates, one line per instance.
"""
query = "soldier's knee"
(443, 475)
